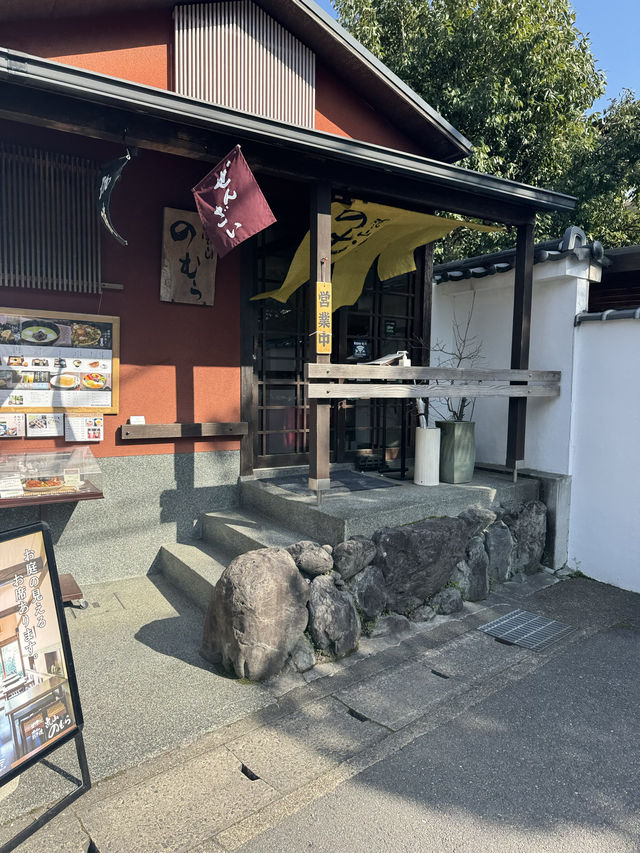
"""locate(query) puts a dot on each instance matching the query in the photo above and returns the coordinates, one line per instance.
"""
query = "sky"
(614, 29)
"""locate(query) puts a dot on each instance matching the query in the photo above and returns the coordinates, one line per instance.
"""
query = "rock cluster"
(275, 607)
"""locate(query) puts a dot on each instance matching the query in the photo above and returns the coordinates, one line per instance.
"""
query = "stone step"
(193, 569)
(239, 531)
(290, 511)
(344, 514)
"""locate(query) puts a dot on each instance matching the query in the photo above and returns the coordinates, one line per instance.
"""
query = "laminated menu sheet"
(53, 362)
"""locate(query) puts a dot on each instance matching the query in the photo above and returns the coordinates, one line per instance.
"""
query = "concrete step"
(239, 531)
(193, 569)
(344, 514)
(291, 511)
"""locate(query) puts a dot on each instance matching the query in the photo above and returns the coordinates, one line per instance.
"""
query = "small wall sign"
(361, 349)
(188, 260)
(323, 317)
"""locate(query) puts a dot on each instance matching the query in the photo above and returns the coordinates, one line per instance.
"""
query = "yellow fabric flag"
(362, 232)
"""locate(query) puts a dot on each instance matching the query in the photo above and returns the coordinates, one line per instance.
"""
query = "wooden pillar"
(319, 271)
(521, 334)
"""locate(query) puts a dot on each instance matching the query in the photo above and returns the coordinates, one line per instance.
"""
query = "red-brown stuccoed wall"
(138, 46)
(178, 362)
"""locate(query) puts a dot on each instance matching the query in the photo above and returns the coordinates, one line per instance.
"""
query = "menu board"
(54, 362)
(41, 707)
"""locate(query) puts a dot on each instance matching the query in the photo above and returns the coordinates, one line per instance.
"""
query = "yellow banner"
(323, 317)
(362, 232)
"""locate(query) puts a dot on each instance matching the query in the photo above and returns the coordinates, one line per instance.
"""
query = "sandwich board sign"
(37, 678)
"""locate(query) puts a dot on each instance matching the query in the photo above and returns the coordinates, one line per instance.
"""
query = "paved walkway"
(511, 750)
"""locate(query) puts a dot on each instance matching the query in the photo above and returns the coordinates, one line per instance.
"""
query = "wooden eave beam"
(86, 118)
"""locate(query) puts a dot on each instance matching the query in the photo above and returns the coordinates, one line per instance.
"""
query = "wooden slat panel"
(236, 55)
(372, 371)
(203, 430)
(330, 391)
(50, 230)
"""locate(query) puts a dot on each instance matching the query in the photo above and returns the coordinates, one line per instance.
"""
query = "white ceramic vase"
(427, 460)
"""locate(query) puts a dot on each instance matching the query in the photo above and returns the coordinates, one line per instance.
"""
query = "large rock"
(418, 560)
(369, 590)
(256, 615)
(529, 530)
(311, 558)
(447, 601)
(334, 621)
(353, 556)
(498, 543)
(471, 575)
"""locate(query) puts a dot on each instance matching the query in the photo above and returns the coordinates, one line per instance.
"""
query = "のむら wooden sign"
(41, 703)
(189, 260)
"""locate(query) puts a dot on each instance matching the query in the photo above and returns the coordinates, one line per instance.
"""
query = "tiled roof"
(573, 242)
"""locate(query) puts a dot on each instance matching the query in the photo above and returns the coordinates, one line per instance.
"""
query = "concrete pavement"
(510, 750)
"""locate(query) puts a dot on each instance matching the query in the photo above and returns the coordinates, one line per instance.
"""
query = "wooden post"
(319, 271)
(521, 334)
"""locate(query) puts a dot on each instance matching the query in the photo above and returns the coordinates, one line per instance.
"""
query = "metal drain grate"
(522, 628)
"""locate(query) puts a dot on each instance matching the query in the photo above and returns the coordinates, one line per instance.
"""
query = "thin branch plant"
(465, 351)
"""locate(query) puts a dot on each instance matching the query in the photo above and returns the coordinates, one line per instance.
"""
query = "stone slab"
(473, 655)
(64, 834)
(177, 809)
(396, 698)
(300, 748)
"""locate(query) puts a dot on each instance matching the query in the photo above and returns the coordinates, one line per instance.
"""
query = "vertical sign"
(323, 318)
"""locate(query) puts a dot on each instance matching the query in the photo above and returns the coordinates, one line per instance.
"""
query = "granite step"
(239, 530)
(193, 569)
(344, 514)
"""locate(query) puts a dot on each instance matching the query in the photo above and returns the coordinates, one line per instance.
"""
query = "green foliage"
(517, 78)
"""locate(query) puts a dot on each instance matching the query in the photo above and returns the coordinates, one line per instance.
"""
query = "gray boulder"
(334, 621)
(529, 530)
(311, 558)
(353, 556)
(447, 601)
(419, 559)
(424, 613)
(256, 615)
(392, 624)
(477, 518)
(303, 656)
(498, 543)
(471, 575)
(369, 591)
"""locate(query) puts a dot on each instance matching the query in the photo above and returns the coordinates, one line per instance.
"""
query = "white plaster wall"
(604, 538)
(560, 291)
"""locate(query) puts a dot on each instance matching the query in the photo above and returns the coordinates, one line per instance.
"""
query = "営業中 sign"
(323, 317)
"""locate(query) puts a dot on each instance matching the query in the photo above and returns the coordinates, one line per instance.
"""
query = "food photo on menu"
(30, 332)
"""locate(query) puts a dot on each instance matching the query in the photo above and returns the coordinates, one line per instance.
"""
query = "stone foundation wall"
(401, 573)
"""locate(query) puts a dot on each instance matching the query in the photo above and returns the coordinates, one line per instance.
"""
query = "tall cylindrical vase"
(427, 461)
(457, 451)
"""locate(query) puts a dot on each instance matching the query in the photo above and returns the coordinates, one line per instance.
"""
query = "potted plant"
(454, 414)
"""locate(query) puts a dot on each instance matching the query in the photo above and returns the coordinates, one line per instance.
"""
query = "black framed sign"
(37, 678)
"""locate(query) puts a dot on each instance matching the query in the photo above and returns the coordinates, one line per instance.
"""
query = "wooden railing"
(326, 382)
(443, 382)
